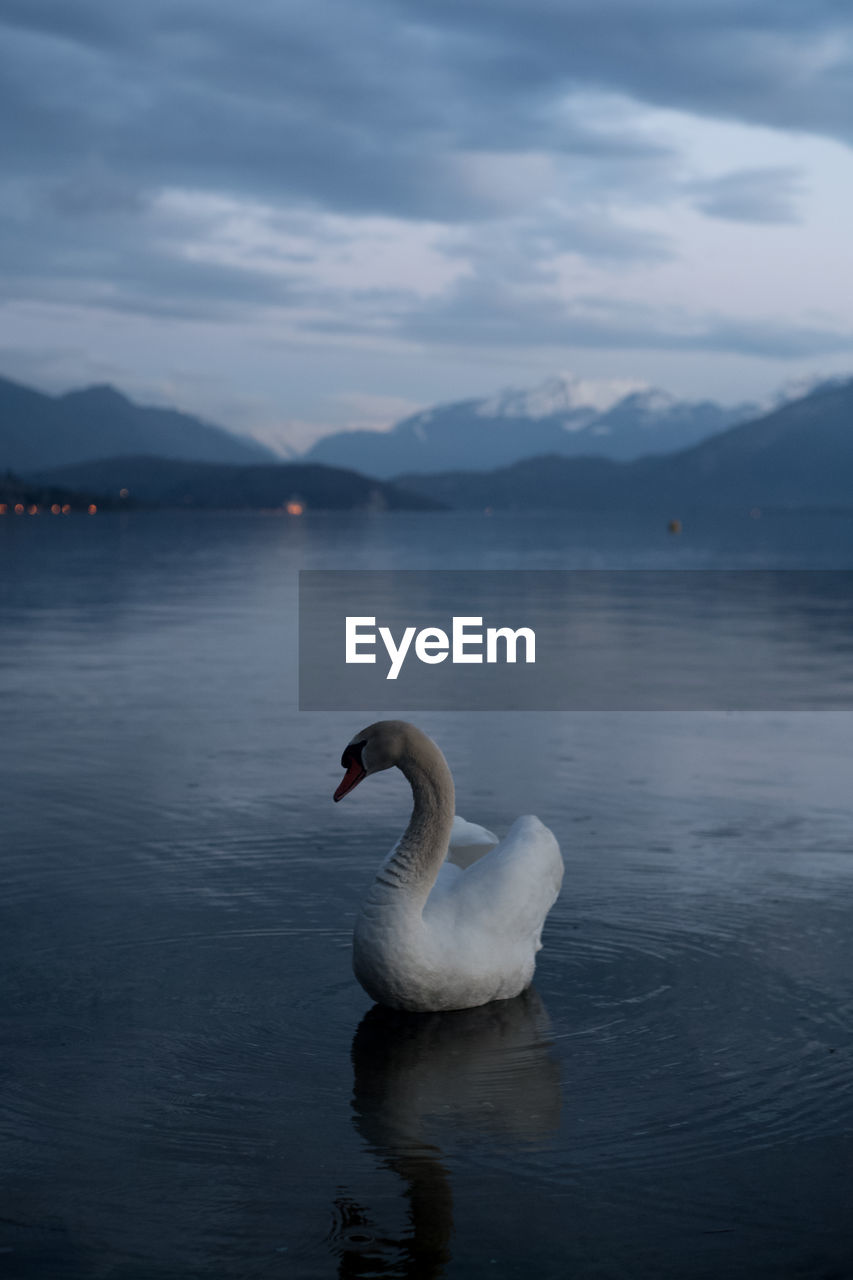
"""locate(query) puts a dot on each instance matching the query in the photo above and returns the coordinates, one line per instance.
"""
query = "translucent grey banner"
(575, 640)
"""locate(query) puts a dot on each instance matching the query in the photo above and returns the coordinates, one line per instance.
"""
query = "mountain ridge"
(560, 417)
(174, 482)
(799, 454)
(40, 430)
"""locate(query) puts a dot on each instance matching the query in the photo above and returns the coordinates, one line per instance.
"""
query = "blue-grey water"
(191, 1081)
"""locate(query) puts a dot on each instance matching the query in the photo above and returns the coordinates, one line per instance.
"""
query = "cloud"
(750, 195)
(380, 108)
(485, 312)
(763, 62)
(183, 254)
(428, 174)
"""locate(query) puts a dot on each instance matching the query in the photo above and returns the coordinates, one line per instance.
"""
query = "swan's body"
(438, 930)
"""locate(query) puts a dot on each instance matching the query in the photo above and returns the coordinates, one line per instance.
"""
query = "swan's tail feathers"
(468, 842)
(519, 879)
(466, 833)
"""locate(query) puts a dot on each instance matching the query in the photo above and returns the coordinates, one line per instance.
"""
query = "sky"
(299, 216)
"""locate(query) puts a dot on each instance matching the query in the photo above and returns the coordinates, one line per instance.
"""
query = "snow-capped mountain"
(800, 455)
(574, 417)
(801, 387)
(576, 398)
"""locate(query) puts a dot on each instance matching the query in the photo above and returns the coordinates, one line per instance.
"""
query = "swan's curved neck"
(416, 860)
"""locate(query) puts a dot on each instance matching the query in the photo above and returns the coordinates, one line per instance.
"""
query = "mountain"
(19, 496)
(172, 483)
(545, 482)
(38, 430)
(568, 417)
(798, 455)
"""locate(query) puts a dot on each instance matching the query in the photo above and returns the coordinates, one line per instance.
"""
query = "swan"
(437, 930)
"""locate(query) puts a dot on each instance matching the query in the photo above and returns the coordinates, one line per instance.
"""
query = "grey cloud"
(523, 249)
(773, 62)
(97, 239)
(750, 195)
(506, 302)
(363, 107)
(374, 108)
(82, 22)
(94, 192)
(118, 257)
(599, 236)
(483, 313)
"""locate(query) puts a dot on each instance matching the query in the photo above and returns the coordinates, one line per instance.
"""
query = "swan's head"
(379, 746)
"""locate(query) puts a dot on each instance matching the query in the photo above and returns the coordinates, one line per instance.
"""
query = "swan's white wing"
(469, 833)
(515, 884)
(468, 842)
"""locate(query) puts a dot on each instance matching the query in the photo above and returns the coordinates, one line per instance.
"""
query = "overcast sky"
(296, 215)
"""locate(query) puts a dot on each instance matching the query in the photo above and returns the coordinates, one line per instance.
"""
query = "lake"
(193, 1084)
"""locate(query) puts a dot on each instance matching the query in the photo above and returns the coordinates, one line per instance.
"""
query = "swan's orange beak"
(355, 771)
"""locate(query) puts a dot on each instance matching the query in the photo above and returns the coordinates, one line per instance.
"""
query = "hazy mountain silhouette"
(173, 483)
(800, 454)
(557, 417)
(38, 430)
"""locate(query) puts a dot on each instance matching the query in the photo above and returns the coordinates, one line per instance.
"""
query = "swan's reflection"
(421, 1080)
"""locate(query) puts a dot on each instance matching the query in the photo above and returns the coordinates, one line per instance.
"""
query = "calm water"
(192, 1083)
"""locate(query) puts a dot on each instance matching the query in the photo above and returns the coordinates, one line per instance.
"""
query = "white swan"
(432, 934)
